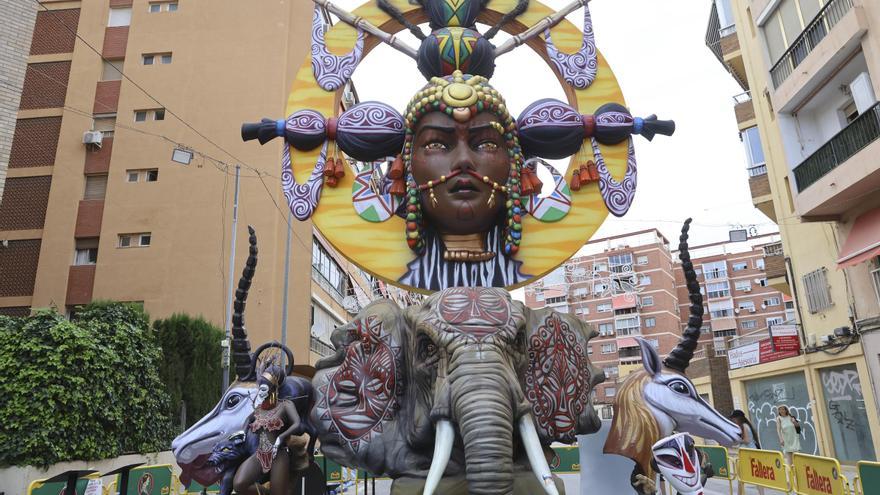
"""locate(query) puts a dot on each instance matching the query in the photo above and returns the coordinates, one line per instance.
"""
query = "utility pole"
(226, 347)
(284, 294)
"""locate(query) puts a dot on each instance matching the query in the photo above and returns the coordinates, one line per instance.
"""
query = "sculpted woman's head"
(463, 161)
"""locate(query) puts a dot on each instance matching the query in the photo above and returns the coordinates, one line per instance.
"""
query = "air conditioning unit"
(747, 289)
(763, 306)
(736, 310)
(752, 310)
(93, 138)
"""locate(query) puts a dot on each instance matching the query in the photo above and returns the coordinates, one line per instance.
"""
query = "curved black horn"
(241, 347)
(680, 357)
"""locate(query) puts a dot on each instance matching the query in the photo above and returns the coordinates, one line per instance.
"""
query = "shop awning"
(627, 342)
(863, 241)
(623, 301)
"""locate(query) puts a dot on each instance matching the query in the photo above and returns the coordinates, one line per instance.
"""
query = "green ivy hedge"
(83, 389)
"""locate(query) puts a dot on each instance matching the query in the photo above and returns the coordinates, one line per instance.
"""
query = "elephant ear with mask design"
(659, 399)
(469, 385)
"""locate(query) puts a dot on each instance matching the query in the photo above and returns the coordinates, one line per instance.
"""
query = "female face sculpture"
(463, 161)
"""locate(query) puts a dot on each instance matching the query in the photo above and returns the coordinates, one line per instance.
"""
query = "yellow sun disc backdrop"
(380, 248)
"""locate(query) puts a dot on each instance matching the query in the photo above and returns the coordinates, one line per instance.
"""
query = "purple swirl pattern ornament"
(618, 196)
(331, 71)
(371, 117)
(609, 120)
(579, 69)
(302, 199)
(549, 112)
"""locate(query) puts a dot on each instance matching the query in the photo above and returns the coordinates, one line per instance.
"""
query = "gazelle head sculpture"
(659, 400)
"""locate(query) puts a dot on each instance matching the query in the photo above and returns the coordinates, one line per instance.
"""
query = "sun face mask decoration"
(447, 194)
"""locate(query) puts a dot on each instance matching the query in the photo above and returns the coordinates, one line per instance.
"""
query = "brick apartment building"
(632, 285)
(94, 207)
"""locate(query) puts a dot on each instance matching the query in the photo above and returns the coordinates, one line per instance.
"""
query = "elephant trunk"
(479, 381)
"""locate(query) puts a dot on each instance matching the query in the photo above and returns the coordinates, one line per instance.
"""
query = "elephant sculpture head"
(469, 382)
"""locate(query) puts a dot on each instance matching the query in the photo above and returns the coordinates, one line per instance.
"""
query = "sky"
(657, 51)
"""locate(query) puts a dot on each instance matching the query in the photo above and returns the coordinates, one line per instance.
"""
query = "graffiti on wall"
(765, 395)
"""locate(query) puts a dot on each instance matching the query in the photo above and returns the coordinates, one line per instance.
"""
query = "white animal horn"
(536, 454)
(443, 438)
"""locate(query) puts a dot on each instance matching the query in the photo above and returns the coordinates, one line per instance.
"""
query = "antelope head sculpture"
(193, 447)
(659, 400)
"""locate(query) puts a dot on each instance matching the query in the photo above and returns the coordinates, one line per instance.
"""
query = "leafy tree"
(190, 365)
(80, 390)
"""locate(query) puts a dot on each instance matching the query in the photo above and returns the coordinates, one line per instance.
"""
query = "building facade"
(809, 121)
(95, 207)
(632, 285)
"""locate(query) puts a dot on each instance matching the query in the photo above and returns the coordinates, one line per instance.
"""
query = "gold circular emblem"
(459, 95)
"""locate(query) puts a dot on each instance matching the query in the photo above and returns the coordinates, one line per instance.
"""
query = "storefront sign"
(746, 355)
(785, 338)
(767, 354)
(762, 468)
(815, 475)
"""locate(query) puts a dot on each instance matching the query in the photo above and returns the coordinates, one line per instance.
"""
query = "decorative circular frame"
(380, 248)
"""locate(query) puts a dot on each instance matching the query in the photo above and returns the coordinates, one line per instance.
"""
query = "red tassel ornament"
(331, 181)
(396, 170)
(527, 189)
(398, 187)
(593, 171)
(575, 182)
(339, 168)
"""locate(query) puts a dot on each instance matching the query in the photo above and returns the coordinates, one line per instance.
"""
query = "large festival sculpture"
(465, 392)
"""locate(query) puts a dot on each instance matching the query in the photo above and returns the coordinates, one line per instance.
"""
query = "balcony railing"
(757, 170)
(846, 143)
(713, 34)
(320, 347)
(813, 34)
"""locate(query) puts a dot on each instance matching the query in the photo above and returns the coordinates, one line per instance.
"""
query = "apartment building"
(632, 285)
(809, 120)
(121, 167)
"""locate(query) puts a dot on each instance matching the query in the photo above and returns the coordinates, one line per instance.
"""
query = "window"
(608, 348)
(746, 306)
(650, 322)
(112, 70)
(725, 333)
(646, 280)
(600, 267)
(740, 266)
(156, 7)
(620, 263)
(555, 300)
(818, 291)
(86, 252)
(721, 309)
(771, 301)
(763, 282)
(105, 123)
(716, 269)
(776, 320)
(582, 311)
(328, 270)
(628, 326)
(744, 285)
(135, 240)
(142, 175)
(754, 152)
(603, 308)
(718, 289)
(539, 296)
(589, 350)
(610, 370)
(655, 343)
(152, 58)
(610, 391)
(606, 329)
(119, 17)
(642, 260)
(96, 186)
(748, 324)
(154, 114)
(647, 301)
(759, 264)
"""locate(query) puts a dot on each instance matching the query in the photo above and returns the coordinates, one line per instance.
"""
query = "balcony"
(723, 42)
(759, 186)
(828, 41)
(834, 177)
(320, 347)
(744, 110)
(774, 268)
(80, 282)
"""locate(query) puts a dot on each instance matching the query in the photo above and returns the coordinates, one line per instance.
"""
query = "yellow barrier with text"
(762, 468)
(814, 475)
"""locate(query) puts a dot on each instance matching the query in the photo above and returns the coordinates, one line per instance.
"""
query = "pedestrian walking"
(789, 430)
(748, 439)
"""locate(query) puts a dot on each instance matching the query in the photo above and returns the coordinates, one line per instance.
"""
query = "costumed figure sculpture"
(659, 399)
(214, 448)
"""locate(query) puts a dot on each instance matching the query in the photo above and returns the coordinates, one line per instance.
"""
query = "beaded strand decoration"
(462, 96)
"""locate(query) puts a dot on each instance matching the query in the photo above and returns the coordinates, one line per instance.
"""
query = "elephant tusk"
(443, 438)
(536, 454)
